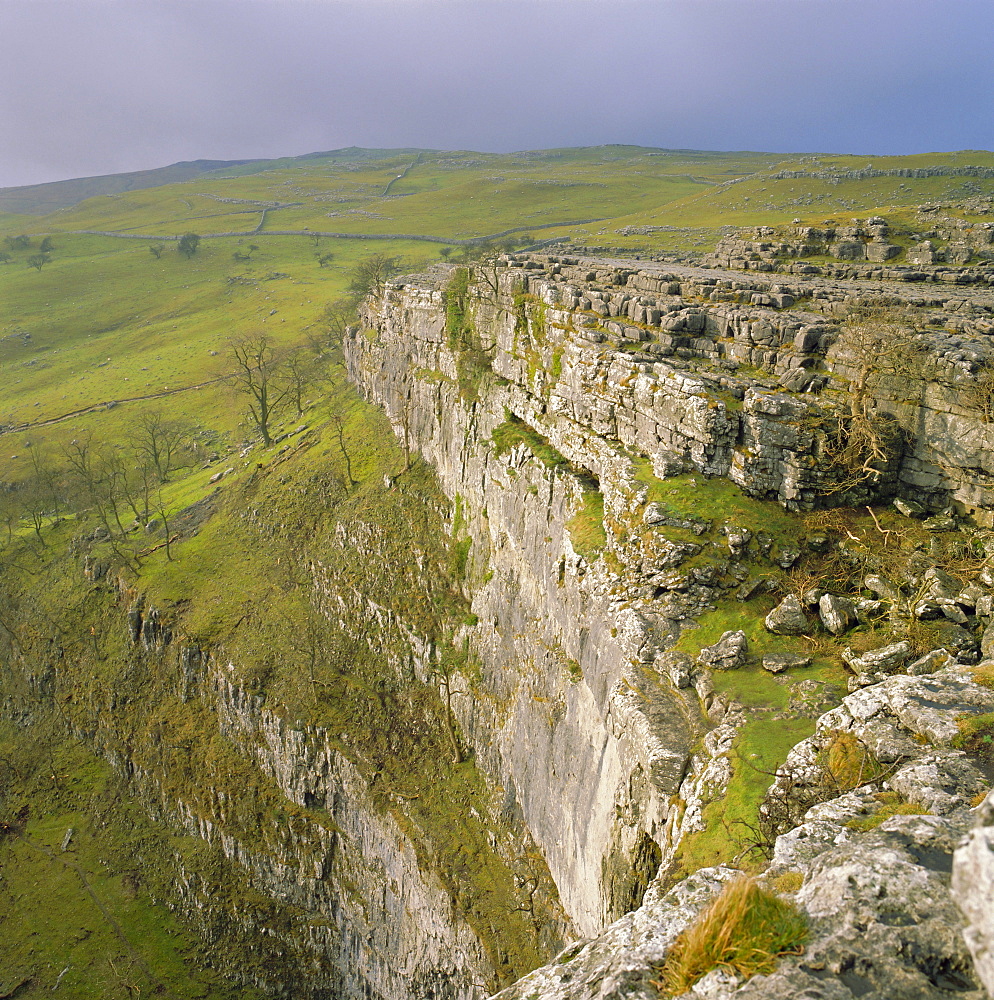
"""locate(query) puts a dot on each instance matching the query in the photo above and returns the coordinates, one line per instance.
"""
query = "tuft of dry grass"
(788, 882)
(744, 930)
(848, 763)
(984, 674)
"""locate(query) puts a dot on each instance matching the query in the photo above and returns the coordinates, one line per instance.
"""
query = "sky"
(103, 86)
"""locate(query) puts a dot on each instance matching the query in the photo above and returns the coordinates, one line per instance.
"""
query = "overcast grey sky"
(103, 86)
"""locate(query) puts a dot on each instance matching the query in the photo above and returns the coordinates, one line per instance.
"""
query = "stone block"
(837, 613)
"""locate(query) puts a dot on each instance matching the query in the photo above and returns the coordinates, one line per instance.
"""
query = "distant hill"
(40, 199)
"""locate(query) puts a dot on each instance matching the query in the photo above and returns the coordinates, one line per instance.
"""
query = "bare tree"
(302, 374)
(980, 392)
(161, 441)
(49, 477)
(339, 425)
(442, 671)
(259, 376)
(335, 321)
(32, 504)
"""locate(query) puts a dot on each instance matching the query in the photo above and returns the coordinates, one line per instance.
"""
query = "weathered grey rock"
(886, 659)
(941, 522)
(909, 508)
(941, 586)
(677, 666)
(787, 556)
(883, 587)
(874, 908)
(929, 663)
(658, 514)
(970, 596)
(973, 890)
(880, 250)
(859, 681)
(956, 638)
(942, 780)
(727, 653)
(837, 613)
(952, 611)
(738, 539)
(926, 707)
(757, 585)
(928, 611)
(867, 610)
(671, 413)
(777, 663)
(788, 617)
(987, 642)
(848, 250)
(887, 742)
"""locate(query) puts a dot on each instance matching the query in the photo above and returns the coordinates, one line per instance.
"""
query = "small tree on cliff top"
(370, 275)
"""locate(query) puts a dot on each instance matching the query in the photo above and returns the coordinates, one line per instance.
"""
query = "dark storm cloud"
(92, 87)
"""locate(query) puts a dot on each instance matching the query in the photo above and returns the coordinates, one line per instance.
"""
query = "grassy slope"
(85, 918)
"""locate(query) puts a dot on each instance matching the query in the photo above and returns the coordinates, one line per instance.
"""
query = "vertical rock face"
(567, 716)
(352, 909)
(390, 926)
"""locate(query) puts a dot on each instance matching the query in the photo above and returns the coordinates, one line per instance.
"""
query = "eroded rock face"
(588, 740)
(579, 714)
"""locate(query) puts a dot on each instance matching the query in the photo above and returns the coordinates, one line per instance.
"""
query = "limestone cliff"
(557, 398)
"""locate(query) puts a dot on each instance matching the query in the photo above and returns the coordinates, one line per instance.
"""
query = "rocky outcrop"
(876, 889)
(719, 372)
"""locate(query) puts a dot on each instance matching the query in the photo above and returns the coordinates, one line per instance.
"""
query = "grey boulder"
(788, 617)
